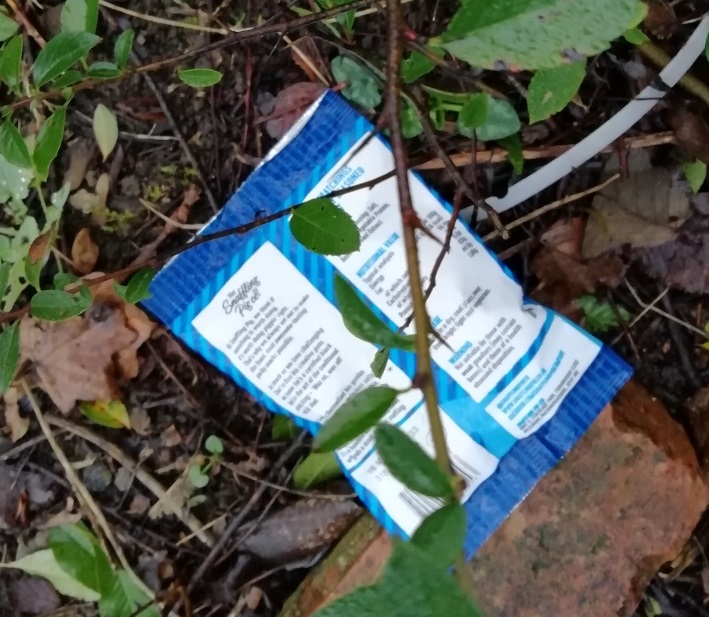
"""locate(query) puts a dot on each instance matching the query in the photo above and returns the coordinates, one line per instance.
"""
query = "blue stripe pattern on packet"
(515, 394)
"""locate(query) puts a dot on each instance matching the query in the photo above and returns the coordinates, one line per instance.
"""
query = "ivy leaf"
(11, 61)
(473, 114)
(316, 468)
(379, 363)
(214, 445)
(60, 53)
(551, 90)
(124, 598)
(535, 34)
(105, 129)
(138, 288)
(320, 226)
(601, 316)
(502, 120)
(13, 146)
(416, 66)
(441, 535)
(199, 78)
(410, 122)
(43, 563)
(283, 428)
(9, 354)
(122, 47)
(696, 173)
(49, 140)
(357, 414)
(79, 16)
(111, 414)
(103, 70)
(409, 463)
(515, 154)
(8, 26)
(362, 88)
(56, 305)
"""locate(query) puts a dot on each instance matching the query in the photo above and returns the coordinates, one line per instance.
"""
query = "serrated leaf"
(55, 305)
(379, 363)
(473, 114)
(61, 53)
(124, 598)
(49, 140)
(111, 414)
(283, 428)
(601, 316)
(199, 78)
(320, 226)
(11, 61)
(122, 48)
(409, 463)
(635, 36)
(362, 87)
(79, 16)
(43, 563)
(696, 173)
(13, 146)
(441, 535)
(8, 26)
(197, 477)
(415, 66)
(356, 415)
(316, 468)
(515, 154)
(501, 121)
(103, 70)
(361, 321)
(105, 129)
(535, 34)
(551, 90)
(214, 445)
(138, 287)
(9, 354)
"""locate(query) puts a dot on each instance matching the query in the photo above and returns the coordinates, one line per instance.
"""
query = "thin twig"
(21, 18)
(168, 22)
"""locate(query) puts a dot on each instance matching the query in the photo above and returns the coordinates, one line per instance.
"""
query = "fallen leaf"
(38, 248)
(33, 595)
(84, 251)
(139, 505)
(308, 49)
(170, 437)
(290, 104)
(174, 500)
(111, 414)
(79, 156)
(691, 132)
(92, 203)
(13, 420)
(565, 236)
(660, 18)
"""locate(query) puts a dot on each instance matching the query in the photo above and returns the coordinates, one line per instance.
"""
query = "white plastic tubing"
(607, 133)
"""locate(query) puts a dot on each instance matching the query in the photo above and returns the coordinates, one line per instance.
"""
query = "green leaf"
(551, 90)
(696, 173)
(55, 305)
(502, 120)
(197, 477)
(8, 26)
(320, 226)
(316, 468)
(515, 154)
(9, 353)
(535, 34)
(13, 147)
(105, 129)
(43, 563)
(4, 277)
(415, 66)
(379, 363)
(199, 78)
(79, 16)
(111, 414)
(361, 321)
(61, 53)
(635, 36)
(79, 554)
(103, 70)
(410, 121)
(49, 140)
(362, 87)
(600, 316)
(124, 598)
(62, 279)
(409, 463)
(357, 414)
(138, 288)
(283, 428)
(473, 115)
(11, 61)
(68, 78)
(122, 48)
(441, 535)
(214, 445)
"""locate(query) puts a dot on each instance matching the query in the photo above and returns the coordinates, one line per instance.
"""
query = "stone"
(585, 542)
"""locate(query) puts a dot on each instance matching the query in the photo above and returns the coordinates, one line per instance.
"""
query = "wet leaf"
(441, 535)
(122, 48)
(320, 226)
(283, 428)
(379, 363)
(49, 140)
(8, 26)
(601, 316)
(79, 16)
(361, 321)
(551, 90)
(124, 598)
(501, 121)
(61, 53)
(290, 104)
(214, 445)
(409, 463)
(138, 288)
(11, 61)
(84, 251)
(13, 146)
(356, 415)
(199, 78)
(9, 355)
(696, 173)
(111, 414)
(105, 130)
(316, 468)
(56, 305)
(534, 34)
(362, 87)
(473, 114)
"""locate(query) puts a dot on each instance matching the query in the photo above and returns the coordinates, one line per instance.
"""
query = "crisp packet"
(518, 384)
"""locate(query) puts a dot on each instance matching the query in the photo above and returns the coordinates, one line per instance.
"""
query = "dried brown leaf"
(80, 153)
(139, 505)
(691, 132)
(660, 18)
(13, 420)
(38, 248)
(290, 104)
(565, 236)
(174, 500)
(84, 251)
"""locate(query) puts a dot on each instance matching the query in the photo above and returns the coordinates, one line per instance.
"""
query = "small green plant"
(601, 316)
(198, 474)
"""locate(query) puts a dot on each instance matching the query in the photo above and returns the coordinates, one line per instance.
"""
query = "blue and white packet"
(521, 387)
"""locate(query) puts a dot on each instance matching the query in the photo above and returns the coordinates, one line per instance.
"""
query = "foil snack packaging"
(520, 387)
